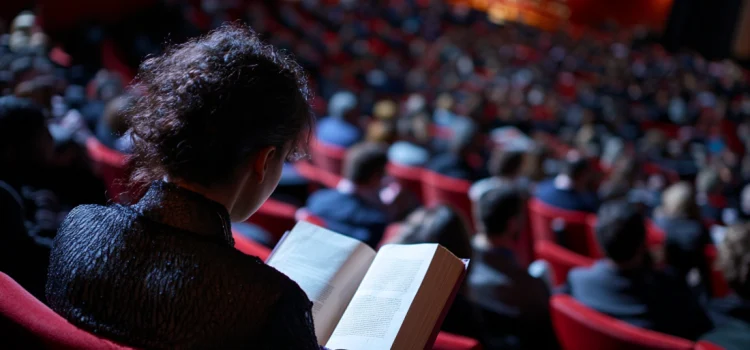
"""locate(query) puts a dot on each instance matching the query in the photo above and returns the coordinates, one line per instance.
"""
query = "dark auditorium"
(375, 174)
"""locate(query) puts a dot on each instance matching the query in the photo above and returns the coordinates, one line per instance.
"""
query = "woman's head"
(678, 201)
(220, 111)
(734, 258)
(441, 225)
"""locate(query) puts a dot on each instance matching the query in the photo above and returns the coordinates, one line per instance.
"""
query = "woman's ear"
(263, 161)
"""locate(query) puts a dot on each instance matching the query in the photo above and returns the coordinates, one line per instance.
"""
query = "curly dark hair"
(207, 105)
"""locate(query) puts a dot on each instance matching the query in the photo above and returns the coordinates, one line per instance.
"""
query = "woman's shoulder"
(93, 218)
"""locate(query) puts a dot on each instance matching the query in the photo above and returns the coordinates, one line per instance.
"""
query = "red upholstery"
(40, 322)
(440, 189)
(409, 177)
(249, 247)
(719, 286)
(577, 226)
(447, 341)
(653, 169)
(560, 259)
(704, 345)
(579, 327)
(111, 166)
(276, 217)
(317, 175)
(328, 157)
(111, 61)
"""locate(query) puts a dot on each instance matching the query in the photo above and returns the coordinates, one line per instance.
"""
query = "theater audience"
(455, 161)
(709, 195)
(514, 305)
(206, 162)
(731, 314)
(355, 208)
(626, 286)
(622, 180)
(340, 127)
(570, 189)
(505, 168)
(686, 237)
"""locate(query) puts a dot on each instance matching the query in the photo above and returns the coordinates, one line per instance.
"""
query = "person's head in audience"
(533, 165)
(414, 129)
(621, 181)
(219, 115)
(442, 225)
(25, 142)
(364, 166)
(464, 139)
(578, 172)
(621, 234)
(343, 105)
(678, 202)
(381, 131)
(115, 115)
(708, 181)
(500, 216)
(506, 164)
(734, 258)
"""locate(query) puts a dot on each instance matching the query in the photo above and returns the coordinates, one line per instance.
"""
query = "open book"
(393, 299)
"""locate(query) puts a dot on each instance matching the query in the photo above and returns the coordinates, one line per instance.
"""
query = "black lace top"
(163, 273)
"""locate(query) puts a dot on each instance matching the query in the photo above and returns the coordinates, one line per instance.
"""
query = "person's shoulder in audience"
(338, 132)
(450, 165)
(407, 153)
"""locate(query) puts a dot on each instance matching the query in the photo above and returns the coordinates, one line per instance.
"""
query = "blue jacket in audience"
(338, 132)
(567, 199)
(642, 297)
(350, 215)
(451, 165)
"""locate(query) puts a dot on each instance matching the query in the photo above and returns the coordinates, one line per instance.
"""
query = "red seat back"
(447, 341)
(719, 286)
(328, 157)
(250, 247)
(579, 327)
(390, 233)
(111, 166)
(316, 174)
(410, 178)
(561, 260)
(441, 189)
(276, 217)
(577, 229)
(41, 323)
(305, 215)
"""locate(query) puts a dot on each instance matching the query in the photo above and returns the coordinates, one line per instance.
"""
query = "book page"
(379, 307)
(327, 266)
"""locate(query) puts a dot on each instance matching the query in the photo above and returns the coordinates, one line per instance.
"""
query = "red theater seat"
(704, 345)
(409, 177)
(390, 233)
(317, 175)
(276, 217)
(305, 215)
(579, 327)
(441, 189)
(328, 157)
(111, 166)
(249, 247)
(31, 320)
(447, 341)
(560, 259)
(577, 227)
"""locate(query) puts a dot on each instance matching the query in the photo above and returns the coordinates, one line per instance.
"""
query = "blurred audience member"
(381, 131)
(621, 181)
(112, 128)
(455, 162)
(732, 313)
(354, 208)
(709, 195)
(514, 305)
(29, 217)
(624, 285)
(340, 128)
(570, 189)
(413, 135)
(505, 168)
(687, 238)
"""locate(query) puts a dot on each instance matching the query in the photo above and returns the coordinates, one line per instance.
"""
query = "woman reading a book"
(216, 119)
